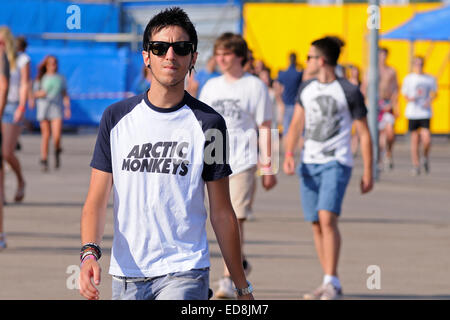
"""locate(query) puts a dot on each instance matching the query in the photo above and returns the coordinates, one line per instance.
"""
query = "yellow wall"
(274, 30)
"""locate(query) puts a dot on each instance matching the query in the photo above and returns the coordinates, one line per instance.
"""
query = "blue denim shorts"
(185, 285)
(322, 187)
(8, 112)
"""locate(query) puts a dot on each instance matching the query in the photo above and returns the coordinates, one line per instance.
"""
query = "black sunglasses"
(311, 57)
(181, 48)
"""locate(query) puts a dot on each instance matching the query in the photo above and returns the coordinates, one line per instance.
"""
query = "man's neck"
(165, 97)
(326, 74)
(234, 73)
(383, 66)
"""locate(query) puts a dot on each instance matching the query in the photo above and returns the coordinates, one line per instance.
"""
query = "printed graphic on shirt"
(167, 157)
(324, 119)
(228, 108)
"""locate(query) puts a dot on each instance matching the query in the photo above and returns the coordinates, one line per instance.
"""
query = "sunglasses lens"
(182, 48)
(159, 48)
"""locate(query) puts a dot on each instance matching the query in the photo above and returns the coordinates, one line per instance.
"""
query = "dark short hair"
(330, 48)
(383, 49)
(233, 42)
(293, 58)
(421, 58)
(174, 16)
(21, 43)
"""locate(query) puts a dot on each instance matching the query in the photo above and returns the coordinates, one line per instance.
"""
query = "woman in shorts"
(15, 107)
(52, 103)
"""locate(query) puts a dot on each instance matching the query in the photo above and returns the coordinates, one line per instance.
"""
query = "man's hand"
(246, 297)
(289, 165)
(269, 181)
(366, 183)
(90, 269)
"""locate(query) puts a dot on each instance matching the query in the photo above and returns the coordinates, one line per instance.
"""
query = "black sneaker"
(426, 166)
(58, 158)
(44, 165)
(247, 267)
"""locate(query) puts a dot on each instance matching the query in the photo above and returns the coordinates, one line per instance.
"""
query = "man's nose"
(170, 54)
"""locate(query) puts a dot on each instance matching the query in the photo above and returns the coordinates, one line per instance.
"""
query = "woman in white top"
(15, 108)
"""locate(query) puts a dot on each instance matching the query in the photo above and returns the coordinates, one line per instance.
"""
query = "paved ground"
(402, 227)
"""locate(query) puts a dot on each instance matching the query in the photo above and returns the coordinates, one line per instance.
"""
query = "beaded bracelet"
(88, 257)
(91, 247)
(87, 253)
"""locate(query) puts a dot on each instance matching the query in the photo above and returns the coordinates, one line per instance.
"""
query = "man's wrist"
(289, 154)
(245, 291)
(90, 248)
(89, 256)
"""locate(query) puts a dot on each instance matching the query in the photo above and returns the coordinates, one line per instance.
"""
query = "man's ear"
(146, 58)
(193, 60)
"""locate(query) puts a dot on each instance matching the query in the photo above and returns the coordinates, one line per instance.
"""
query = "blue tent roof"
(429, 25)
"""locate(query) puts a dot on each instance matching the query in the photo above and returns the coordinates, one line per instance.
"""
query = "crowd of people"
(314, 108)
(47, 93)
(219, 113)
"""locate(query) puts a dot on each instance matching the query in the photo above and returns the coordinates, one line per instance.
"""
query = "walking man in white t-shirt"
(243, 100)
(419, 90)
(326, 107)
(156, 151)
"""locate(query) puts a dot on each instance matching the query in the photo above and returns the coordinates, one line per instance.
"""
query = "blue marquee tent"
(430, 25)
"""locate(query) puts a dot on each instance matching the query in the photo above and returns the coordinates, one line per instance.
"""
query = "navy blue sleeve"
(215, 157)
(303, 85)
(101, 159)
(354, 98)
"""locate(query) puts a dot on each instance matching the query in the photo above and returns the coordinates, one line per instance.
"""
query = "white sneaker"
(226, 289)
(315, 294)
(330, 292)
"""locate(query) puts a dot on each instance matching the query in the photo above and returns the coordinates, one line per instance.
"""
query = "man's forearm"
(366, 151)
(265, 144)
(227, 233)
(92, 225)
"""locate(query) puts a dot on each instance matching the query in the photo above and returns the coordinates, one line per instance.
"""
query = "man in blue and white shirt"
(326, 107)
(156, 151)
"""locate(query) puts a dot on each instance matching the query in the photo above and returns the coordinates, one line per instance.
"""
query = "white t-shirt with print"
(329, 112)
(158, 160)
(245, 105)
(418, 87)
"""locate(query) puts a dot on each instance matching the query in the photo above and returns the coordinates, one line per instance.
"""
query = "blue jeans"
(287, 118)
(185, 285)
(322, 187)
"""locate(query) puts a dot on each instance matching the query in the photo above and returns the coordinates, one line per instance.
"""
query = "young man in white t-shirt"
(326, 107)
(156, 151)
(243, 100)
(419, 90)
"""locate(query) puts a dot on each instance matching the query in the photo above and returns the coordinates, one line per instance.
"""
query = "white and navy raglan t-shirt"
(329, 111)
(160, 159)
